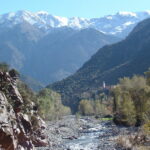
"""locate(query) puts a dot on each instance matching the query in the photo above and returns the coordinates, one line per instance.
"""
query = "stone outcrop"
(18, 130)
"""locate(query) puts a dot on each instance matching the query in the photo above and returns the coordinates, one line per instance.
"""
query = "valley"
(74, 83)
(40, 44)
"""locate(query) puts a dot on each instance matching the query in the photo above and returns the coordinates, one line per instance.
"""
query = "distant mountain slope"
(32, 83)
(51, 56)
(119, 24)
(50, 48)
(126, 58)
(16, 43)
(63, 51)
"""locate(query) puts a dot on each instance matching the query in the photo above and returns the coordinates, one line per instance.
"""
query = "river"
(84, 133)
(88, 140)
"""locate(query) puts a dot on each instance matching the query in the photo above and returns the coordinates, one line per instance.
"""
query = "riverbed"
(82, 133)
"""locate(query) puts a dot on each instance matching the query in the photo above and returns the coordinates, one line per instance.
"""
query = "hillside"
(49, 48)
(128, 57)
(54, 55)
(16, 43)
(63, 51)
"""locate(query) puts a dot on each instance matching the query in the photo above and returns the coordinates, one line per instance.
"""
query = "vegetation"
(28, 96)
(93, 107)
(146, 128)
(132, 101)
(50, 106)
(47, 102)
(4, 67)
(128, 57)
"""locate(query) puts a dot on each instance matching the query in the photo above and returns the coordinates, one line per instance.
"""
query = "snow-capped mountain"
(119, 24)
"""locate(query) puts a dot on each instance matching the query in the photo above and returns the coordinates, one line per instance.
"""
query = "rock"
(70, 138)
(16, 128)
(98, 116)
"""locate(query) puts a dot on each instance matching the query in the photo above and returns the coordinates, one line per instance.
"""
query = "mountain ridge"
(56, 54)
(119, 24)
(125, 58)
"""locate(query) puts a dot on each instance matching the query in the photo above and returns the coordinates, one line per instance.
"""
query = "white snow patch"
(63, 21)
(124, 13)
(42, 13)
(148, 12)
(128, 23)
(118, 28)
(10, 15)
(109, 17)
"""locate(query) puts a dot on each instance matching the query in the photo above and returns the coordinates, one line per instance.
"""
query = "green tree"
(127, 110)
(86, 107)
(50, 105)
(132, 100)
(4, 67)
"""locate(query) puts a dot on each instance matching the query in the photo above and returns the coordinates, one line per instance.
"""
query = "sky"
(75, 8)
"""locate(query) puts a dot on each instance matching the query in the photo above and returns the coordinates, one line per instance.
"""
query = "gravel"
(84, 133)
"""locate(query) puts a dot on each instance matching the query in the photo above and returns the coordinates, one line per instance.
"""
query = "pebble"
(69, 129)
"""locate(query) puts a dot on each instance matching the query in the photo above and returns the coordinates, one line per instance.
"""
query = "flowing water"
(89, 139)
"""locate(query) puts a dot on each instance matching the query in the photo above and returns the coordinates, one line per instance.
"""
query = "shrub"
(93, 107)
(4, 67)
(86, 107)
(50, 105)
(132, 101)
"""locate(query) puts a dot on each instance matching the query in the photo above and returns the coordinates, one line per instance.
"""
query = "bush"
(146, 128)
(50, 106)
(86, 107)
(4, 67)
(92, 107)
(28, 96)
(132, 101)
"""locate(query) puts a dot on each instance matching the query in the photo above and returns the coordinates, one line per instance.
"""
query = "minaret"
(104, 85)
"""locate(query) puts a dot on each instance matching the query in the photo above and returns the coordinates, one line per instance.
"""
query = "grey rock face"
(16, 127)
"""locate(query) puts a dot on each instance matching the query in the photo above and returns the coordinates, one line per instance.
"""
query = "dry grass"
(124, 141)
(143, 148)
(131, 142)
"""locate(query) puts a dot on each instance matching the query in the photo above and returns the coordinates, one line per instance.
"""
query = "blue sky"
(78, 8)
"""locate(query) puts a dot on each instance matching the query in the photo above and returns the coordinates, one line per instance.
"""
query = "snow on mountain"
(119, 24)
(131, 14)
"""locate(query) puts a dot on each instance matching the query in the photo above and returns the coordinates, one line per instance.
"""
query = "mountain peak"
(127, 14)
(119, 24)
(42, 13)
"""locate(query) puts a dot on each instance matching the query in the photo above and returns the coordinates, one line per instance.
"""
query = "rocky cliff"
(20, 128)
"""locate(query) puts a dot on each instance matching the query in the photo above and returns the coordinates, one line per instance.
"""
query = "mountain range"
(49, 57)
(125, 58)
(119, 24)
(50, 48)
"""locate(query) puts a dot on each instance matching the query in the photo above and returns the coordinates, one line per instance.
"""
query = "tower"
(104, 85)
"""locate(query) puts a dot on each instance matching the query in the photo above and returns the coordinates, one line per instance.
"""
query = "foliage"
(28, 96)
(93, 107)
(4, 67)
(86, 107)
(146, 128)
(147, 74)
(50, 106)
(48, 103)
(106, 119)
(128, 57)
(132, 101)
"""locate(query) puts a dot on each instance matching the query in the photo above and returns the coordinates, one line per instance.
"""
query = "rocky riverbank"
(84, 133)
